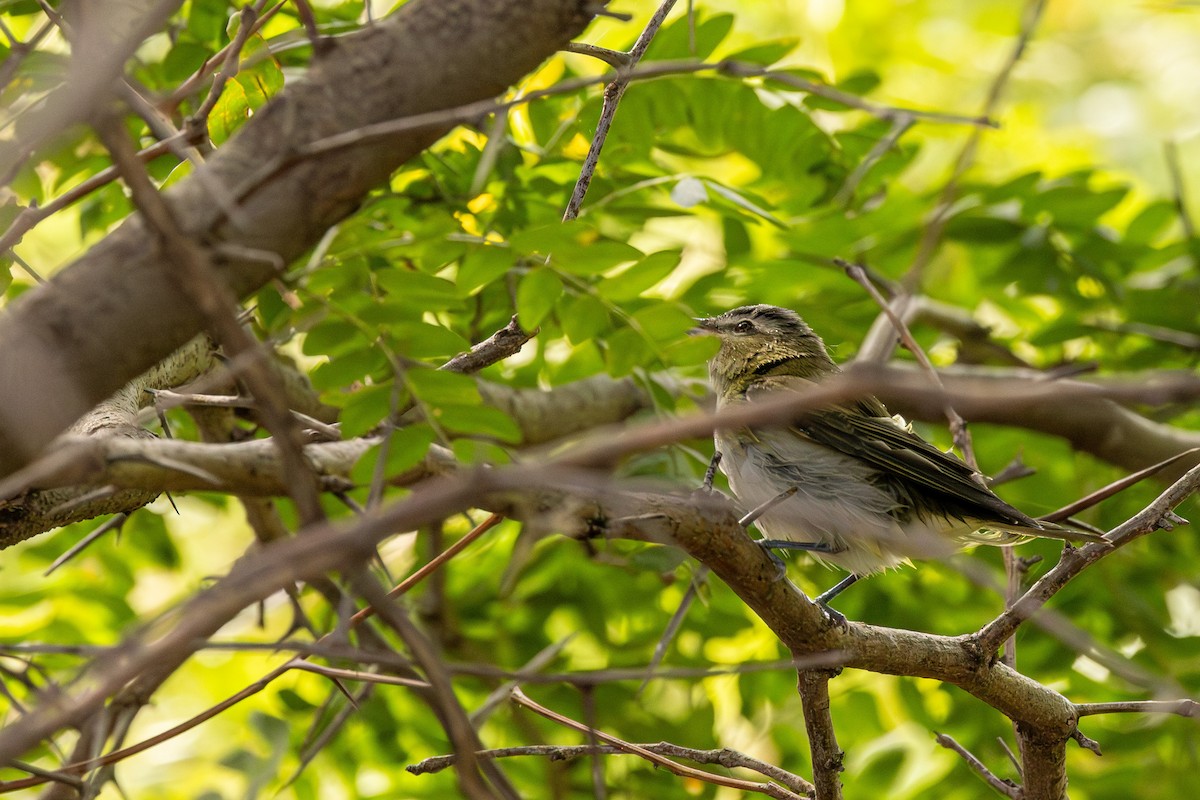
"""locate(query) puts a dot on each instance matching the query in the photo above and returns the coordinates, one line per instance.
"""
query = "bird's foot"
(771, 545)
(835, 616)
(780, 567)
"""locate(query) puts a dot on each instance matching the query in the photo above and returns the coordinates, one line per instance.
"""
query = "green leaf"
(416, 291)
(596, 258)
(230, 113)
(479, 451)
(663, 322)
(691, 351)
(558, 236)
(330, 336)
(676, 39)
(983, 229)
(1150, 222)
(1075, 206)
(365, 409)
(583, 317)
(407, 446)
(479, 420)
(481, 265)
(422, 340)
(537, 293)
(1061, 331)
(346, 368)
(625, 350)
(575, 247)
(437, 387)
(766, 53)
(631, 282)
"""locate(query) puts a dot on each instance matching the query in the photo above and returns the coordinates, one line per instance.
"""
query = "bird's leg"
(711, 472)
(823, 599)
(758, 511)
(771, 545)
(808, 547)
(842, 585)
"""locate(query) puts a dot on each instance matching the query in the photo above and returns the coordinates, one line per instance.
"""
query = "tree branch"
(813, 686)
(116, 311)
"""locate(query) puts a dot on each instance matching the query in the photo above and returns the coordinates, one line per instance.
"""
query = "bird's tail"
(1006, 534)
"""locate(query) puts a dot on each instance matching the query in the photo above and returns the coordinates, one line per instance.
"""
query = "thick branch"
(116, 312)
(818, 722)
(58, 489)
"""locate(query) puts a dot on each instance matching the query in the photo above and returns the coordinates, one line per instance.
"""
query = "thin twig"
(958, 427)
(201, 281)
(477, 778)
(931, 236)
(1001, 785)
(673, 625)
(1114, 488)
(1074, 561)
(502, 693)
(1178, 188)
(900, 125)
(730, 759)
(1182, 708)
(116, 521)
(613, 93)
(447, 554)
(769, 789)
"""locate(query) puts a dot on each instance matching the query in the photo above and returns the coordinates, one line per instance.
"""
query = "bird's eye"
(745, 326)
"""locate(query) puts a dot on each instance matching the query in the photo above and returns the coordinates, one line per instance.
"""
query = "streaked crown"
(762, 340)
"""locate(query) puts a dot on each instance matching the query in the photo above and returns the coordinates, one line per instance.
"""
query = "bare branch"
(818, 722)
(1075, 561)
(199, 280)
(771, 790)
(1182, 708)
(730, 759)
(1001, 785)
(931, 237)
(56, 362)
(613, 92)
(505, 342)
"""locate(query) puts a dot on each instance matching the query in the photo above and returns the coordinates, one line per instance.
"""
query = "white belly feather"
(836, 504)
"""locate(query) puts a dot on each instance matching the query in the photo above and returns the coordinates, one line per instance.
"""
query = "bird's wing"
(868, 434)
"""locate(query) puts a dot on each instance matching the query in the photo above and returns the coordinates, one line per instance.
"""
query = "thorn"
(767, 506)
(600, 11)
(1087, 743)
(1170, 520)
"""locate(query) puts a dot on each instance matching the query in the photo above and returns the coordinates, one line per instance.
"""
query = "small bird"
(850, 483)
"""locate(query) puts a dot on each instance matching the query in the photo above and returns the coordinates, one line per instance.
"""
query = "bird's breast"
(837, 503)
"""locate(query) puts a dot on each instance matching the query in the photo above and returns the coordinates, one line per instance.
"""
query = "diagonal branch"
(116, 311)
(1153, 517)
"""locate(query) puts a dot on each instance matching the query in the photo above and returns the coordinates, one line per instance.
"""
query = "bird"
(850, 483)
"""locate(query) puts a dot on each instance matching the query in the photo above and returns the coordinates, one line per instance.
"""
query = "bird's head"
(762, 340)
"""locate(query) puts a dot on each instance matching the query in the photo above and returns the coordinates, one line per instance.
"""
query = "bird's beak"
(705, 326)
